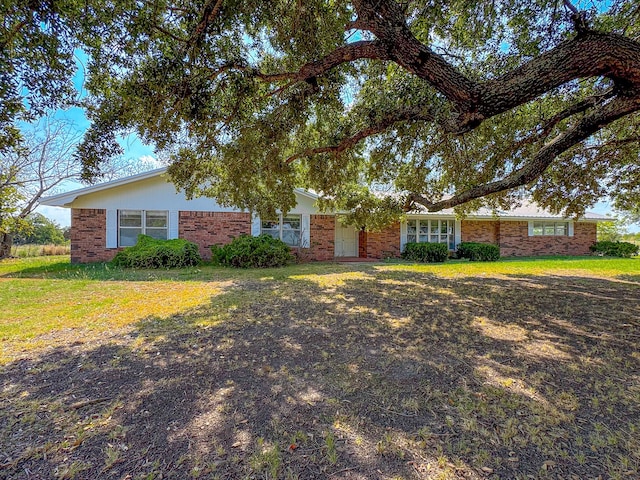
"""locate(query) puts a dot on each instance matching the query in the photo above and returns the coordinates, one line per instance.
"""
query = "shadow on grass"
(370, 374)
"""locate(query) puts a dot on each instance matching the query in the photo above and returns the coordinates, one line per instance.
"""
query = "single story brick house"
(108, 217)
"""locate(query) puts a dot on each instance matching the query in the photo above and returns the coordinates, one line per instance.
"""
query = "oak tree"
(447, 104)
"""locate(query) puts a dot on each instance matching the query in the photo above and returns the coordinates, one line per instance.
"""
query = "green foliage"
(40, 230)
(246, 251)
(372, 211)
(615, 249)
(611, 231)
(149, 252)
(426, 252)
(478, 252)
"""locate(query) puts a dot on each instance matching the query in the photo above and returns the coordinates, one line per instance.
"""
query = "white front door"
(346, 241)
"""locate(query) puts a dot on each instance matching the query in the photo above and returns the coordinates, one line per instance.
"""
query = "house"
(108, 217)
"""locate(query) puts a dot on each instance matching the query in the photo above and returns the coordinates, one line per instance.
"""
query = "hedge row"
(426, 252)
(614, 249)
(149, 252)
(246, 251)
(478, 252)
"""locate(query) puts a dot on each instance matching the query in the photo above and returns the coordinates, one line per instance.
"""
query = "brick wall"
(89, 236)
(515, 240)
(362, 243)
(485, 231)
(212, 228)
(322, 238)
(383, 244)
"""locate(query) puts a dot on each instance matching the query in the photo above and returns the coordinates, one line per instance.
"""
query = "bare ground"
(369, 374)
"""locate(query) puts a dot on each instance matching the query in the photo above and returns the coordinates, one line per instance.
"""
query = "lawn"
(517, 369)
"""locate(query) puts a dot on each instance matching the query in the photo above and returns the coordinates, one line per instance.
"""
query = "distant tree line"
(40, 230)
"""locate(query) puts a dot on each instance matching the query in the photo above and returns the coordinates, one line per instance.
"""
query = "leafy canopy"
(451, 104)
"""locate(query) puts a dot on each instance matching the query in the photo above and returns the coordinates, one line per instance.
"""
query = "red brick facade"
(322, 238)
(212, 228)
(383, 244)
(514, 240)
(89, 236)
(485, 231)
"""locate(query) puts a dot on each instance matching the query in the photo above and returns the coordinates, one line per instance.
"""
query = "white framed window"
(132, 223)
(287, 228)
(432, 230)
(548, 228)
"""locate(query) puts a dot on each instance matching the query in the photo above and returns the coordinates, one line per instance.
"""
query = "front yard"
(518, 369)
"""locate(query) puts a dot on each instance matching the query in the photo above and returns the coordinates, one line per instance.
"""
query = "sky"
(134, 148)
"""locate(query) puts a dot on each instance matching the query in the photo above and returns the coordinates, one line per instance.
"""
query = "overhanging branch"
(386, 121)
(587, 126)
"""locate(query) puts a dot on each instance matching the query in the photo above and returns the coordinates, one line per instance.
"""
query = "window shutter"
(571, 229)
(305, 234)
(173, 224)
(457, 233)
(256, 226)
(403, 235)
(112, 229)
(531, 228)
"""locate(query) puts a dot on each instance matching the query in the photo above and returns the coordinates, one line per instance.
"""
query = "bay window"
(431, 230)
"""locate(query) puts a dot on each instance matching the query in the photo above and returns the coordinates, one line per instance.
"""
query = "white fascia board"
(65, 199)
(307, 193)
(528, 218)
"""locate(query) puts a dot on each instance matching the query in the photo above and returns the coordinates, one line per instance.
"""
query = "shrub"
(614, 249)
(246, 251)
(426, 252)
(478, 252)
(152, 253)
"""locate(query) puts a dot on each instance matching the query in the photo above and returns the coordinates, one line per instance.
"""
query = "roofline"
(512, 217)
(307, 193)
(64, 199)
(73, 194)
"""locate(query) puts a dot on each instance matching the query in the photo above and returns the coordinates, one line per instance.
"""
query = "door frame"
(355, 235)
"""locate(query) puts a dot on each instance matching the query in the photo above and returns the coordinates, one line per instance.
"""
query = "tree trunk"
(6, 242)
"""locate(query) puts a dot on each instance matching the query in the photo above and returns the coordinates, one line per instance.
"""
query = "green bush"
(426, 252)
(151, 253)
(478, 252)
(246, 251)
(614, 249)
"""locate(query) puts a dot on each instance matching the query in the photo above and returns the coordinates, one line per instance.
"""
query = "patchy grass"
(515, 369)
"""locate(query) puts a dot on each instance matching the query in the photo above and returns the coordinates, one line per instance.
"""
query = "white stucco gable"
(153, 191)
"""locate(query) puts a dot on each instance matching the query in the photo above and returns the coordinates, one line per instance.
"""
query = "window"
(287, 228)
(132, 223)
(434, 231)
(550, 228)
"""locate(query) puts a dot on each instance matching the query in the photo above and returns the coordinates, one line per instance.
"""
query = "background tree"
(39, 230)
(452, 104)
(37, 168)
(611, 231)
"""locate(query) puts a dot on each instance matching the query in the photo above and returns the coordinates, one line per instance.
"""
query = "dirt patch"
(372, 374)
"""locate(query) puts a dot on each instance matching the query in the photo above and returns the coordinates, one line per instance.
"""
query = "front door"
(346, 241)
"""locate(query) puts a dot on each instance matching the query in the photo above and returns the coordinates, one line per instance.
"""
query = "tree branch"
(209, 13)
(391, 118)
(548, 126)
(588, 125)
(168, 33)
(348, 53)
(589, 55)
